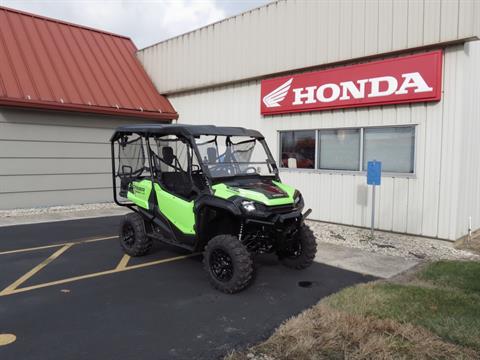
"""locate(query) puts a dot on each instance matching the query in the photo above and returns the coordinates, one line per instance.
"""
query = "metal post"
(373, 209)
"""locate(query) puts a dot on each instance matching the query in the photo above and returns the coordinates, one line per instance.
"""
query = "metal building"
(243, 70)
(63, 89)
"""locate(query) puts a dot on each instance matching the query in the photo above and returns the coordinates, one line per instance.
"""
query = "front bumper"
(271, 234)
(280, 222)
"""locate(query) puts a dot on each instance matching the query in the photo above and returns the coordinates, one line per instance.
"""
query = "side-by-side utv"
(211, 189)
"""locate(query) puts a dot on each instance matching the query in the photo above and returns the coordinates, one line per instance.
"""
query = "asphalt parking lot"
(67, 291)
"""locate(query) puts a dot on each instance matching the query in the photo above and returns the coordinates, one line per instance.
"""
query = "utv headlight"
(298, 199)
(248, 206)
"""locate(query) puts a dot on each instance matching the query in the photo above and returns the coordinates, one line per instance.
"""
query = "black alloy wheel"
(294, 250)
(133, 236)
(221, 265)
(128, 235)
(302, 250)
(228, 264)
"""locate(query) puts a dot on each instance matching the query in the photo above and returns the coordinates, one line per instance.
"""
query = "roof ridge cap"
(42, 17)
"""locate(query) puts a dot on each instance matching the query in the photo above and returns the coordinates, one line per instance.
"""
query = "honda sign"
(405, 79)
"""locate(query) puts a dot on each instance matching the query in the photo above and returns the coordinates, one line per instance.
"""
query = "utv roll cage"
(188, 132)
(183, 130)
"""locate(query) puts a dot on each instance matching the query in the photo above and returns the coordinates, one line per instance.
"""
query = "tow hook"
(304, 216)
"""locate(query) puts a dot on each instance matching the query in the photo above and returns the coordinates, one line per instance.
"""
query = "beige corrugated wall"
(51, 158)
(425, 204)
(293, 34)
(468, 180)
(213, 76)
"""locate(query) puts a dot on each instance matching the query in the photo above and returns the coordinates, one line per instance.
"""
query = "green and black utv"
(211, 189)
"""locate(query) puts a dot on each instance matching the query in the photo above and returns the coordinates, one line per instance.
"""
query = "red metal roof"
(55, 65)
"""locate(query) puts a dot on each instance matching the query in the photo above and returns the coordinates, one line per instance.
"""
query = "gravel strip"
(57, 209)
(406, 246)
(386, 243)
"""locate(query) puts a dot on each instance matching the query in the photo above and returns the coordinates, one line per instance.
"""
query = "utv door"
(174, 189)
(177, 210)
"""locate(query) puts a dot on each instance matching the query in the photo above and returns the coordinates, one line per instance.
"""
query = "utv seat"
(199, 181)
(212, 155)
(176, 181)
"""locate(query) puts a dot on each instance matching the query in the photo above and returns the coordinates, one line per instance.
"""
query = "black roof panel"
(184, 130)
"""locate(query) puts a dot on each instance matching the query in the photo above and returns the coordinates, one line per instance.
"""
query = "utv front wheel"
(302, 250)
(228, 264)
(133, 237)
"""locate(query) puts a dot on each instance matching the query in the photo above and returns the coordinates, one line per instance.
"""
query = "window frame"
(360, 171)
(360, 147)
(279, 145)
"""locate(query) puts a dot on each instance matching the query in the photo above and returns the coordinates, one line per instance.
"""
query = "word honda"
(379, 86)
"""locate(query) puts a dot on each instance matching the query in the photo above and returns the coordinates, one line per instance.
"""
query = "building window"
(339, 149)
(393, 146)
(297, 149)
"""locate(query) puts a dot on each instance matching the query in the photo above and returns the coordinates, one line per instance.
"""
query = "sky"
(146, 22)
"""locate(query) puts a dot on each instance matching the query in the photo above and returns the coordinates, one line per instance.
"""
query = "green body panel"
(178, 211)
(224, 191)
(140, 193)
(290, 190)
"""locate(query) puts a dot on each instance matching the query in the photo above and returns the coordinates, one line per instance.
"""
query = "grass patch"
(463, 275)
(451, 314)
(379, 320)
(449, 306)
(323, 332)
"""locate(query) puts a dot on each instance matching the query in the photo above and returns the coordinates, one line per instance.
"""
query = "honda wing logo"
(278, 95)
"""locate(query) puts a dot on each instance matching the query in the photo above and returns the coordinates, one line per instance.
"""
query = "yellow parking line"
(57, 245)
(123, 262)
(101, 273)
(11, 288)
(98, 239)
(6, 339)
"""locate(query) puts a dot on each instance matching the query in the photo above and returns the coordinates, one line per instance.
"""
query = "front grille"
(281, 209)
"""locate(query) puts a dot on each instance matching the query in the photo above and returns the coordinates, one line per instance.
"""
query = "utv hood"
(267, 192)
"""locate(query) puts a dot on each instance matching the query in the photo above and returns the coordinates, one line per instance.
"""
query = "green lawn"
(449, 307)
(433, 314)
(452, 314)
(463, 275)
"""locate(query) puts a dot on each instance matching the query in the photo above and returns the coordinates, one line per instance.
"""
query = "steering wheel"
(222, 170)
(196, 169)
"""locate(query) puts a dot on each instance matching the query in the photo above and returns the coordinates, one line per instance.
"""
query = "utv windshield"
(227, 156)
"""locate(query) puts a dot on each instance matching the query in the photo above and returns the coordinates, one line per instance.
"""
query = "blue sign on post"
(374, 172)
(374, 177)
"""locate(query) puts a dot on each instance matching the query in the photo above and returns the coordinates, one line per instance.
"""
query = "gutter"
(88, 109)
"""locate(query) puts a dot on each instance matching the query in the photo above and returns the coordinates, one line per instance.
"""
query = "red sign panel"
(405, 79)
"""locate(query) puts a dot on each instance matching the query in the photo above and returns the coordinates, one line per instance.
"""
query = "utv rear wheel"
(300, 254)
(228, 264)
(133, 237)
